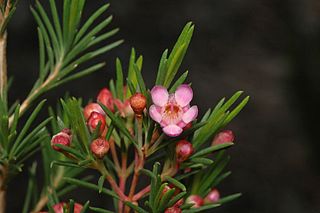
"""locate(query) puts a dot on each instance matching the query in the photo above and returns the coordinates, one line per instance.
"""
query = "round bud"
(184, 150)
(59, 207)
(212, 197)
(173, 210)
(223, 137)
(93, 121)
(138, 103)
(60, 138)
(99, 147)
(105, 97)
(92, 107)
(67, 131)
(196, 200)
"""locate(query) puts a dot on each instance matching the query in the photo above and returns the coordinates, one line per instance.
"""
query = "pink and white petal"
(190, 115)
(172, 130)
(183, 95)
(186, 108)
(182, 124)
(163, 124)
(154, 114)
(159, 95)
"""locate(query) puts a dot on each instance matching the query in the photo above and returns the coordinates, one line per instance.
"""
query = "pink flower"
(172, 111)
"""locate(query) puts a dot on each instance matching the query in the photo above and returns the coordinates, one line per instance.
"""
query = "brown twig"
(42, 202)
(25, 104)
(3, 188)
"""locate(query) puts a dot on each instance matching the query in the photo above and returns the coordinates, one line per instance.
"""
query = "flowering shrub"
(128, 132)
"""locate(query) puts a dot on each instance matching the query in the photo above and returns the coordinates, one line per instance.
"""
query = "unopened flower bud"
(173, 210)
(223, 137)
(124, 108)
(67, 131)
(179, 203)
(99, 147)
(212, 197)
(196, 200)
(60, 138)
(166, 189)
(92, 107)
(138, 103)
(184, 150)
(105, 97)
(94, 119)
(59, 207)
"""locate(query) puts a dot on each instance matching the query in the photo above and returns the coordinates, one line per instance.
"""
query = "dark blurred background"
(268, 48)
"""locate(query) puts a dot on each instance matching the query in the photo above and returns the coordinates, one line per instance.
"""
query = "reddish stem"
(141, 193)
(122, 179)
(116, 188)
(114, 154)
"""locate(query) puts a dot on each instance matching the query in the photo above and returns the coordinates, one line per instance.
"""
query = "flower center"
(172, 113)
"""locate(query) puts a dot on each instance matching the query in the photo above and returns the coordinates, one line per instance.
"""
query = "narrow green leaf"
(180, 81)
(90, 21)
(99, 210)
(162, 68)
(85, 207)
(90, 186)
(204, 161)
(136, 208)
(119, 123)
(229, 198)
(119, 82)
(211, 149)
(176, 183)
(27, 125)
(101, 182)
(140, 80)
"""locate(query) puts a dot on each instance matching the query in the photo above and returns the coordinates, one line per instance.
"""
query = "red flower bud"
(196, 200)
(60, 138)
(212, 197)
(99, 147)
(138, 103)
(179, 203)
(183, 150)
(173, 210)
(94, 119)
(166, 189)
(92, 107)
(105, 97)
(59, 207)
(223, 137)
(67, 131)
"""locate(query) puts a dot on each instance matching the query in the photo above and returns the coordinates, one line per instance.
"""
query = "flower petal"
(183, 95)
(154, 114)
(172, 130)
(159, 95)
(190, 115)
